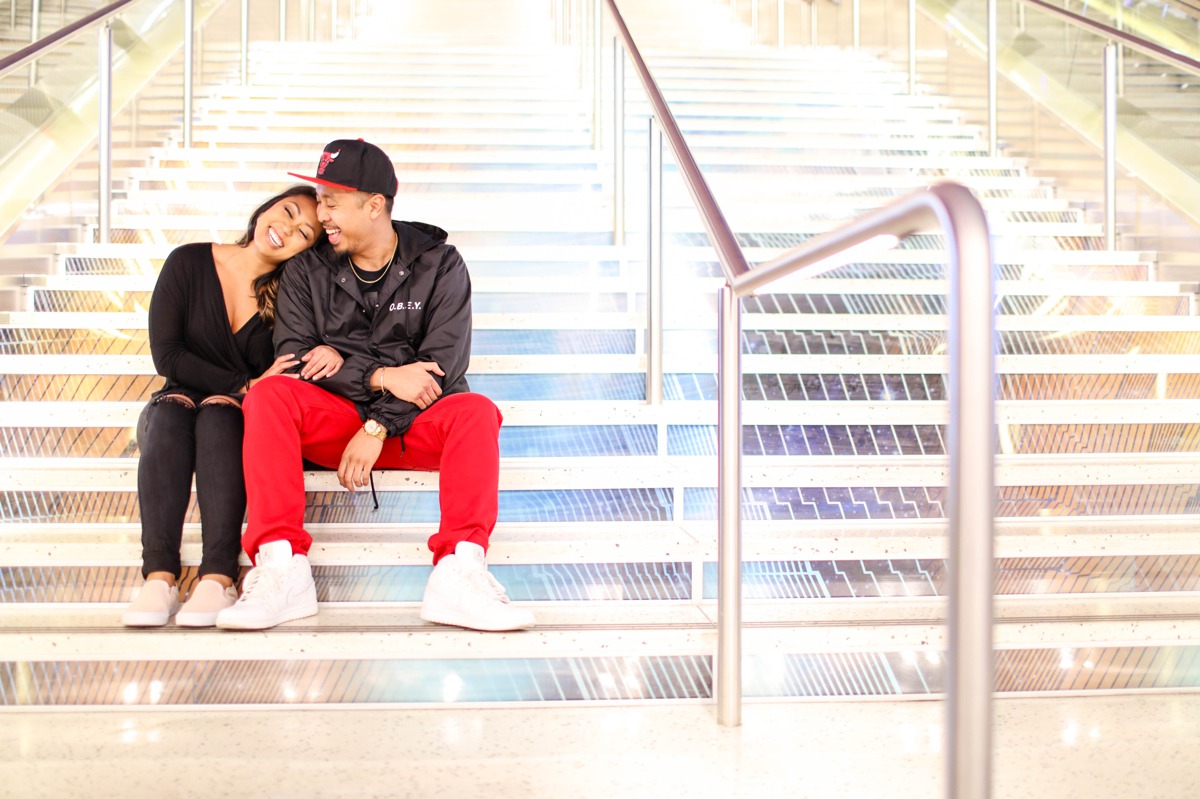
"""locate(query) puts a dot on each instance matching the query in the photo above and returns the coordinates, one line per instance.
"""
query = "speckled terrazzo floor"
(1115, 747)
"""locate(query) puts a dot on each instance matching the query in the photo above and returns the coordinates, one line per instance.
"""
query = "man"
(394, 300)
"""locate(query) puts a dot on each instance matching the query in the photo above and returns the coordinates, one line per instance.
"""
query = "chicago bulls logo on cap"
(326, 159)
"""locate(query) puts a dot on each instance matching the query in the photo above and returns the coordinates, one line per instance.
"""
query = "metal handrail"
(1112, 82)
(39, 48)
(101, 21)
(733, 262)
(971, 445)
(1129, 40)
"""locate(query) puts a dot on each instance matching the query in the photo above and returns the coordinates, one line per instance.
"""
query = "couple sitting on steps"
(328, 332)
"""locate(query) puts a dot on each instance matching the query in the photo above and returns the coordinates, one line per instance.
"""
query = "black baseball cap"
(355, 165)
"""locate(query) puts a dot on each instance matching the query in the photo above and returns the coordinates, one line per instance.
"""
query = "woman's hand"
(280, 366)
(321, 361)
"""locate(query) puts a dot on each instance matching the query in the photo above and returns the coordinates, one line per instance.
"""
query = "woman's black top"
(190, 339)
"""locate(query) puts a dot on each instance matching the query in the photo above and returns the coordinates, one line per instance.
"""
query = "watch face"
(373, 426)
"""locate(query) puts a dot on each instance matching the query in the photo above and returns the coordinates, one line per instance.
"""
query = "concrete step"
(684, 320)
(677, 472)
(616, 630)
(398, 542)
(134, 287)
(1041, 263)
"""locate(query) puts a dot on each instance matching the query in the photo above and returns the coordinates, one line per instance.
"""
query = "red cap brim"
(322, 181)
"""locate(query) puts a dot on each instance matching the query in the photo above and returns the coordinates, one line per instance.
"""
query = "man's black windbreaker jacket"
(424, 314)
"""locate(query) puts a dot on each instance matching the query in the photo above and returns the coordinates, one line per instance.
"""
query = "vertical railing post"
(812, 23)
(333, 20)
(992, 80)
(283, 20)
(1120, 52)
(579, 33)
(245, 44)
(780, 37)
(856, 23)
(104, 138)
(912, 46)
(312, 20)
(35, 33)
(754, 21)
(1110, 146)
(654, 268)
(189, 56)
(1120, 71)
(353, 20)
(618, 142)
(970, 505)
(198, 75)
(729, 511)
(597, 52)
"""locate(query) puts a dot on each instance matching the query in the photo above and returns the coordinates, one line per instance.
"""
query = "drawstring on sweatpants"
(371, 476)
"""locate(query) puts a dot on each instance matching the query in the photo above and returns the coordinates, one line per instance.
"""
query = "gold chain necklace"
(355, 269)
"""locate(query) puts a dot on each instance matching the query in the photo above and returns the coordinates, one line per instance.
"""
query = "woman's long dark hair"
(266, 287)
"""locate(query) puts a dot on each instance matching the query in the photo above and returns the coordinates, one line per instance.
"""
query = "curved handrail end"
(947, 205)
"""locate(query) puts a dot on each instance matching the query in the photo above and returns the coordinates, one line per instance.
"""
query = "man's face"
(346, 217)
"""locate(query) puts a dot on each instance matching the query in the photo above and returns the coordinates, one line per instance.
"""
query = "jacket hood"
(416, 238)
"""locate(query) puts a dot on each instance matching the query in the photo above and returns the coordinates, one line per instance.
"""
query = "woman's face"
(286, 228)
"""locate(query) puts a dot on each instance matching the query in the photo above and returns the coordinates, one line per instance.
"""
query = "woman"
(210, 336)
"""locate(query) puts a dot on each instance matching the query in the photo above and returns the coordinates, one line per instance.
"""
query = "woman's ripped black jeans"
(178, 439)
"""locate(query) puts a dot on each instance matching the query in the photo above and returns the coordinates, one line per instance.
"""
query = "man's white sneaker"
(153, 606)
(208, 599)
(462, 593)
(280, 588)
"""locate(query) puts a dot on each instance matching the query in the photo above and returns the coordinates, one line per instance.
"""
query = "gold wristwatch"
(374, 428)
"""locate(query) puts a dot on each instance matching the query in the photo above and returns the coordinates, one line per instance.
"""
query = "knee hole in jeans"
(177, 399)
(220, 399)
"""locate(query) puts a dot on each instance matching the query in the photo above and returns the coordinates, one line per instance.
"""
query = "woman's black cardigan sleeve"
(181, 310)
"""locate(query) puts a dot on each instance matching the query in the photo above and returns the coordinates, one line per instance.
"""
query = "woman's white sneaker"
(280, 588)
(462, 593)
(153, 606)
(208, 599)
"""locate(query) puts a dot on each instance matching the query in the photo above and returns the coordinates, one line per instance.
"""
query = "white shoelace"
(258, 576)
(487, 584)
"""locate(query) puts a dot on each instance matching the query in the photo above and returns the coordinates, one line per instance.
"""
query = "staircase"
(1050, 106)
(607, 521)
(16, 20)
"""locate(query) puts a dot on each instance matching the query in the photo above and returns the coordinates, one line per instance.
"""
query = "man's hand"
(321, 361)
(413, 382)
(357, 461)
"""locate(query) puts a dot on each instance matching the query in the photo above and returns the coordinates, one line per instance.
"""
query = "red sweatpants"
(289, 419)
